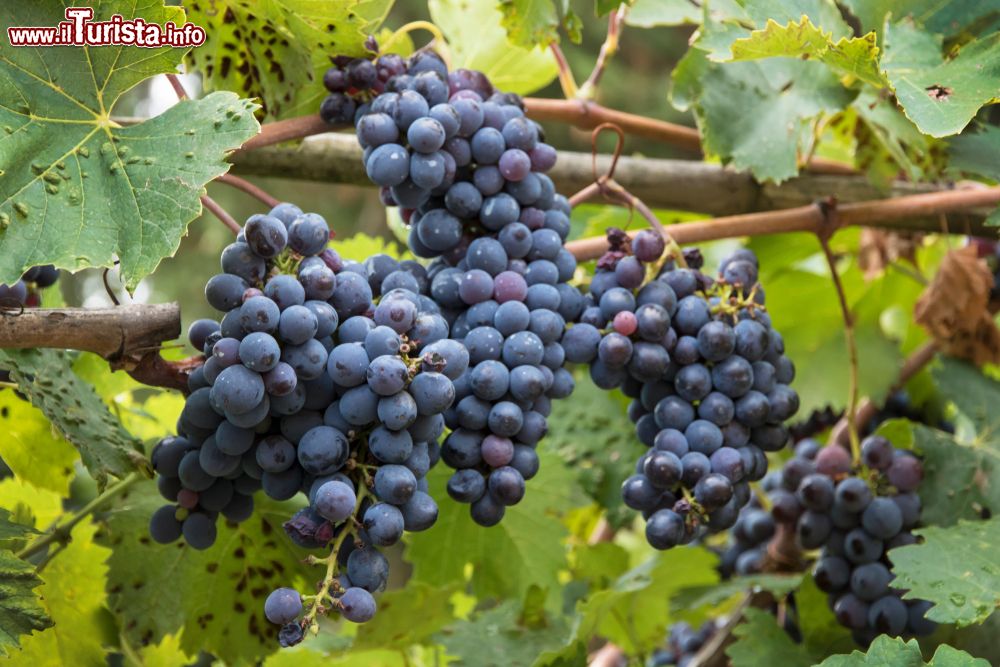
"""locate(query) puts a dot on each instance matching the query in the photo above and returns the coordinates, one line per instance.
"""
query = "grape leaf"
(278, 51)
(216, 595)
(823, 13)
(948, 18)
(510, 67)
(888, 141)
(655, 13)
(79, 190)
(940, 95)
(759, 638)
(634, 610)
(301, 656)
(166, 653)
(713, 595)
(955, 569)
(974, 394)
(73, 594)
(536, 23)
(47, 378)
(592, 434)
(34, 451)
(498, 637)
(21, 611)
(787, 97)
(975, 153)
(855, 56)
(29, 505)
(524, 549)
(406, 616)
(886, 651)
(11, 528)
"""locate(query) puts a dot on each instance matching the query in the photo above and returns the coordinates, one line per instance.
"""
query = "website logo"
(80, 30)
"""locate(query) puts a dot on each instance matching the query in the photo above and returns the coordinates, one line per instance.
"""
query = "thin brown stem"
(610, 46)
(852, 348)
(221, 214)
(178, 87)
(249, 188)
(898, 213)
(288, 130)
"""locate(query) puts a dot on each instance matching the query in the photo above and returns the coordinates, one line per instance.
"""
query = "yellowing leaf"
(35, 452)
(855, 56)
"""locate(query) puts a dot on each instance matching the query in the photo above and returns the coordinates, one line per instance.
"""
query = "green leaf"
(958, 469)
(955, 569)
(633, 612)
(525, 549)
(21, 611)
(73, 593)
(974, 394)
(407, 616)
(34, 451)
(888, 651)
(499, 638)
(760, 639)
(655, 13)
(216, 596)
(823, 13)
(713, 595)
(787, 98)
(535, 23)
(28, 504)
(940, 95)
(166, 653)
(888, 141)
(948, 18)
(592, 434)
(78, 189)
(278, 51)
(510, 67)
(855, 56)
(975, 153)
(12, 529)
(47, 378)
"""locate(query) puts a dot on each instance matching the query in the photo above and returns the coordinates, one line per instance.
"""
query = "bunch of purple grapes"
(708, 378)
(354, 80)
(326, 377)
(466, 167)
(856, 515)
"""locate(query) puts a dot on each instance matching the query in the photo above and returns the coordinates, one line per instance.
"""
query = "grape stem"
(406, 29)
(249, 188)
(852, 347)
(309, 620)
(610, 46)
(221, 214)
(61, 532)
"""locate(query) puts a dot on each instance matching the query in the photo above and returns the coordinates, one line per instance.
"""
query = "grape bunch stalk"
(707, 374)
(466, 168)
(856, 513)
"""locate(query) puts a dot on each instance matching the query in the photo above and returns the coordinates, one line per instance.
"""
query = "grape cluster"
(708, 378)
(683, 643)
(25, 293)
(856, 515)
(466, 168)
(326, 377)
(746, 550)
